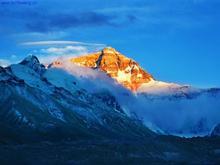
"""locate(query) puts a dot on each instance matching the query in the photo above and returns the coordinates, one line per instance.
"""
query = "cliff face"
(124, 70)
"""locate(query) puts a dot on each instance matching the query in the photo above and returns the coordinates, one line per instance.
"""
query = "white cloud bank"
(178, 116)
(4, 62)
(43, 43)
(65, 50)
(49, 51)
(51, 54)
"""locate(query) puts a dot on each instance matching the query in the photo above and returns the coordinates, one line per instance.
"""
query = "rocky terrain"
(103, 108)
(124, 70)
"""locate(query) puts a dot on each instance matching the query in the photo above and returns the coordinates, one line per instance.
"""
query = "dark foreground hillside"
(158, 150)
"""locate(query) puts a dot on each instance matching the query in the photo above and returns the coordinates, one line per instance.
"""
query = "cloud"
(4, 62)
(195, 116)
(192, 117)
(49, 51)
(56, 20)
(42, 43)
(128, 9)
(53, 22)
(65, 50)
(50, 54)
(89, 79)
(44, 19)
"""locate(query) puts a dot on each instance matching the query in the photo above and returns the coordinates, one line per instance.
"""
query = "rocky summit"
(121, 68)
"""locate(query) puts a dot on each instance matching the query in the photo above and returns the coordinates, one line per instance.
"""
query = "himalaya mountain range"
(106, 96)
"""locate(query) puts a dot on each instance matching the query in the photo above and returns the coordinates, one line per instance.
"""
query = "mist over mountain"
(105, 98)
(194, 111)
(34, 100)
(134, 91)
(154, 103)
(128, 82)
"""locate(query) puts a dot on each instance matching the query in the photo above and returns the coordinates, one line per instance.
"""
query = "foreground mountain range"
(105, 96)
(91, 91)
(32, 106)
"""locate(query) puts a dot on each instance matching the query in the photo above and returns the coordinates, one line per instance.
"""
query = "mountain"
(124, 70)
(119, 67)
(128, 73)
(152, 101)
(70, 114)
(88, 89)
(35, 105)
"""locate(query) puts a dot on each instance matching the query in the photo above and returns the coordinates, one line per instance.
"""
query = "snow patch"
(30, 77)
(157, 87)
(123, 76)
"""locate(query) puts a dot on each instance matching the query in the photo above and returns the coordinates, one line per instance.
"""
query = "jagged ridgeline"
(117, 66)
(104, 95)
(33, 108)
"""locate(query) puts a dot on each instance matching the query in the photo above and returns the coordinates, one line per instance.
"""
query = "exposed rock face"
(124, 70)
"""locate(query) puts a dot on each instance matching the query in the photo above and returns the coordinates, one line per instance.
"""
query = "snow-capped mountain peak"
(32, 62)
(31, 59)
(63, 89)
(124, 70)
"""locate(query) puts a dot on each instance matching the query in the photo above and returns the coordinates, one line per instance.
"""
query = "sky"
(174, 40)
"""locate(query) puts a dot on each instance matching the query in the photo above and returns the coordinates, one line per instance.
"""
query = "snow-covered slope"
(160, 88)
(157, 104)
(157, 87)
(33, 101)
(86, 98)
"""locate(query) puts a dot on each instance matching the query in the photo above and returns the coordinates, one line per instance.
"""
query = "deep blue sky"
(176, 41)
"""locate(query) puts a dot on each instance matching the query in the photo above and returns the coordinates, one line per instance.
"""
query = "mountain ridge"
(98, 91)
(117, 66)
(32, 102)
